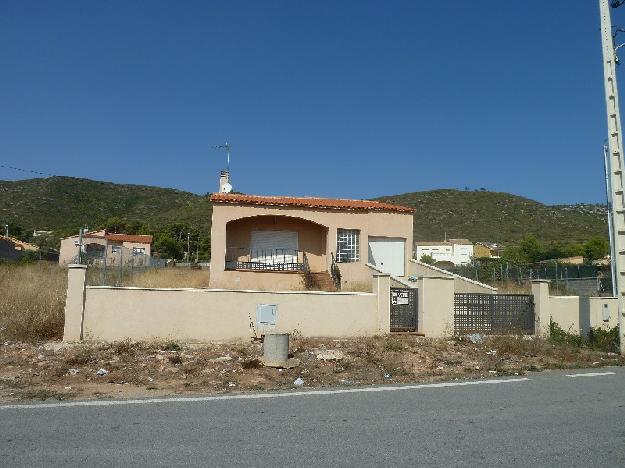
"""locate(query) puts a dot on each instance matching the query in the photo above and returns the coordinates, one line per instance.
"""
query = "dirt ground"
(58, 371)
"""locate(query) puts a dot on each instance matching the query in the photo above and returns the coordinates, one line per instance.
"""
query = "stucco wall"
(201, 315)
(578, 314)
(374, 224)
(461, 284)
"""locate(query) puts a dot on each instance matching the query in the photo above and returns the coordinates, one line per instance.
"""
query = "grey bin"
(276, 349)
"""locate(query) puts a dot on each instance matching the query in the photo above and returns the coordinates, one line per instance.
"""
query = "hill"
(63, 204)
(499, 217)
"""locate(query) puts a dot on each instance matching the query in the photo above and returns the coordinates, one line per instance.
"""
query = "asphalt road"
(549, 419)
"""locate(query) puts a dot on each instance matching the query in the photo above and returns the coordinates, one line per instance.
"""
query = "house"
(265, 242)
(455, 251)
(12, 249)
(101, 245)
(487, 250)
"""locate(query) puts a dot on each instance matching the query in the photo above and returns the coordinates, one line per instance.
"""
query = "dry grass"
(170, 278)
(148, 278)
(32, 301)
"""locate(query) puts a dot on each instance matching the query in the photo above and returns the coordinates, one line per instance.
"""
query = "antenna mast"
(615, 162)
(226, 147)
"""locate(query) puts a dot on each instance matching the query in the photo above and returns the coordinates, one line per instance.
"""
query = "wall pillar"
(382, 289)
(436, 306)
(75, 302)
(542, 313)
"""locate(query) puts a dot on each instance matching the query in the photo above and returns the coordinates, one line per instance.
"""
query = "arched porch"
(275, 243)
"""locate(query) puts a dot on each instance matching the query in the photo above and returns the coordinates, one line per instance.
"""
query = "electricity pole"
(616, 163)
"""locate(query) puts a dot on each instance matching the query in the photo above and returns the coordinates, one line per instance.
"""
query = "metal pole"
(6, 230)
(616, 162)
(188, 247)
(80, 245)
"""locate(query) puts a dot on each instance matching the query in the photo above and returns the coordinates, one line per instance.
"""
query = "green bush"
(597, 339)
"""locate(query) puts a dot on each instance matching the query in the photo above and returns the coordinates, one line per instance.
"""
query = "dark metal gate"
(493, 313)
(403, 310)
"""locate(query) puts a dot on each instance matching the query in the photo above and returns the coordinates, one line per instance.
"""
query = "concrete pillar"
(436, 306)
(75, 302)
(542, 314)
(382, 289)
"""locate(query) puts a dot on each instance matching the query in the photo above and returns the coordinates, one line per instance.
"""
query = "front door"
(388, 254)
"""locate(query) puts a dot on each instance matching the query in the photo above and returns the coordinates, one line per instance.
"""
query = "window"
(347, 245)
(116, 248)
(138, 250)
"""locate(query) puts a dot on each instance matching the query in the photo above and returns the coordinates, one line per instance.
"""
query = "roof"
(310, 202)
(22, 244)
(137, 238)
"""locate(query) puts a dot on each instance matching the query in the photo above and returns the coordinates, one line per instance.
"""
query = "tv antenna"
(226, 147)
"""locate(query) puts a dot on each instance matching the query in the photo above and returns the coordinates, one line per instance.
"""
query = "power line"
(19, 169)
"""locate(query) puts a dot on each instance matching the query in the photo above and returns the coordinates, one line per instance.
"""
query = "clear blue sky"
(346, 99)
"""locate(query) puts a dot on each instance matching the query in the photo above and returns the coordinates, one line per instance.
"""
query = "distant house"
(454, 251)
(12, 249)
(262, 242)
(576, 260)
(487, 250)
(101, 245)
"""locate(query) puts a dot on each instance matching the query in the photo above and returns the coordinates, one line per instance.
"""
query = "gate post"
(382, 289)
(542, 314)
(436, 306)
(74, 302)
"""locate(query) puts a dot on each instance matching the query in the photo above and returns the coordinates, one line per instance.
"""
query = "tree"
(596, 248)
(531, 249)
(168, 247)
(427, 259)
(514, 255)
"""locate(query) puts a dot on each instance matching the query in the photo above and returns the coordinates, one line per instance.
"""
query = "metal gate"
(403, 310)
(493, 313)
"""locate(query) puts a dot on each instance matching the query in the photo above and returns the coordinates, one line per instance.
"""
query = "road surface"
(554, 418)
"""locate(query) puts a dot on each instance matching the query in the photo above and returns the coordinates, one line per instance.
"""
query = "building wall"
(375, 224)
(69, 249)
(578, 314)
(461, 284)
(481, 251)
(458, 254)
(198, 315)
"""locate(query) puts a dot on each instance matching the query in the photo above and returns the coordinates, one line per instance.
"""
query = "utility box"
(606, 313)
(266, 316)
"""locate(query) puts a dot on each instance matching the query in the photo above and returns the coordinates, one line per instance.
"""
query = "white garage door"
(273, 247)
(387, 254)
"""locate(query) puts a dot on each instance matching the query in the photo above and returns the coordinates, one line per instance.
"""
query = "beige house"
(100, 245)
(262, 242)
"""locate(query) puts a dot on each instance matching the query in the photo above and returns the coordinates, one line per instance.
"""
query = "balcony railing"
(264, 259)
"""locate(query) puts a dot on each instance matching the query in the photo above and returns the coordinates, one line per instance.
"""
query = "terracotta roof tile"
(309, 202)
(138, 238)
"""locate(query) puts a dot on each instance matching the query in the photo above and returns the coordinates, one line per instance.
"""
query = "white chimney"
(224, 182)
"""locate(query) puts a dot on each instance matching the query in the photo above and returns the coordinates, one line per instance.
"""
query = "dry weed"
(32, 301)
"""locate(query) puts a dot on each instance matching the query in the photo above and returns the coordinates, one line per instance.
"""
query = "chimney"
(224, 178)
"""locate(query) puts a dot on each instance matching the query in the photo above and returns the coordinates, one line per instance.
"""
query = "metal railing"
(239, 258)
(335, 272)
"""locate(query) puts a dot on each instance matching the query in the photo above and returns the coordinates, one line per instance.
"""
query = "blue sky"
(343, 99)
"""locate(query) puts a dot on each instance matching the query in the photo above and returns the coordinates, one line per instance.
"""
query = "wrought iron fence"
(238, 258)
(493, 313)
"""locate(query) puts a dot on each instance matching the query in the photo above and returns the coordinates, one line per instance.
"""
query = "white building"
(456, 251)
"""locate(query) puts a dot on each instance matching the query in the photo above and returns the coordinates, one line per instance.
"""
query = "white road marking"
(590, 374)
(254, 396)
